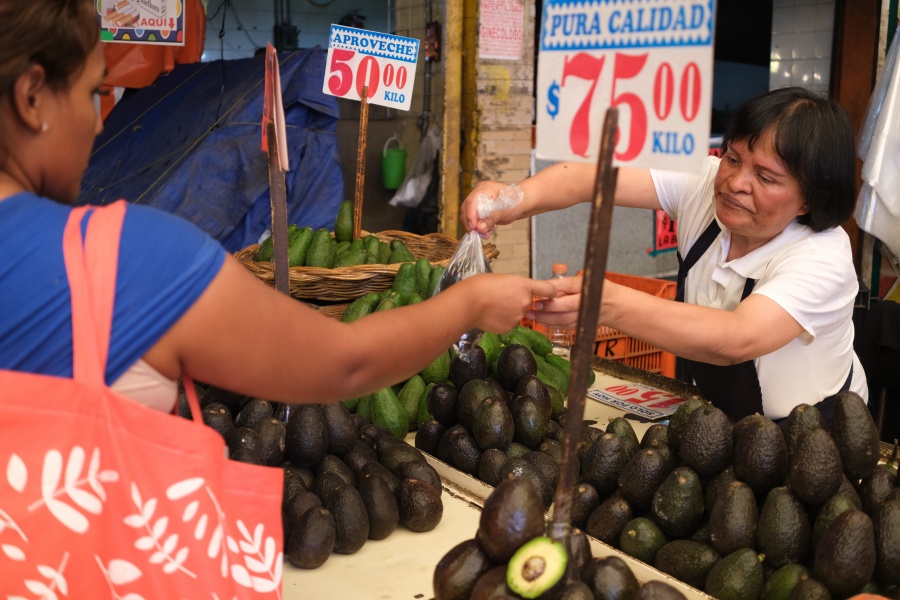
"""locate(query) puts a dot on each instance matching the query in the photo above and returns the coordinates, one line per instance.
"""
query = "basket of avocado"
(331, 266)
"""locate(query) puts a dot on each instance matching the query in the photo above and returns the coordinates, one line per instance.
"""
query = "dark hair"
(56, 34)
(814, 138)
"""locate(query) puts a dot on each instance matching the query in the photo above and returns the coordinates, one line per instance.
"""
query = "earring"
(44, 127)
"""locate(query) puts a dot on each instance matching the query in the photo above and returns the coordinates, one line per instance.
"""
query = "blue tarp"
(163, 146)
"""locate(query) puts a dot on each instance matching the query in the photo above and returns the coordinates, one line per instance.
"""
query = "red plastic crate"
(615, 345)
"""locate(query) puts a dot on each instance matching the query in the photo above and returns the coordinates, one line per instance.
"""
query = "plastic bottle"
(560, 337)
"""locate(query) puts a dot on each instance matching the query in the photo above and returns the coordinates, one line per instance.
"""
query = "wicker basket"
(349, 283)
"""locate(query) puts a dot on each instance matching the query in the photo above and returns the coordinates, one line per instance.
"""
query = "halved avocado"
(536, 567)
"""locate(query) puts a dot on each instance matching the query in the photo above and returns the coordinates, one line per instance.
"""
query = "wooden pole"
(361, 161)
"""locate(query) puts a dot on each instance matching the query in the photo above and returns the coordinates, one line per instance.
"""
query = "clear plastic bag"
(468, 258)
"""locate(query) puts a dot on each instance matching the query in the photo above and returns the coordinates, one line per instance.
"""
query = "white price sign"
(652, 59)
(638, 399)
(385, 63)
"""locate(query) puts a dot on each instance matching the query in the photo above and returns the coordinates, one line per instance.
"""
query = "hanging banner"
(652, 59)
(500, 30)
(385, 63)
(158, 22)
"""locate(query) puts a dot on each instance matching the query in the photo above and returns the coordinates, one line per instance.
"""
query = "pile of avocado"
(345, 481)
(321, 248)
(511, 557)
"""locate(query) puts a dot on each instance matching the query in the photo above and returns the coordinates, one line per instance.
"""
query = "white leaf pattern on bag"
(255, 561)
(132, 596)
(58, 580)
(184, 488)
(200, 529)
(93, 469)
(122, 571)
(215, 542)
(161, 554)
(16, 473)
(50, 490)
(13, 552)
(46, 590)
(190, 510)
(6, 521)
(40, 588)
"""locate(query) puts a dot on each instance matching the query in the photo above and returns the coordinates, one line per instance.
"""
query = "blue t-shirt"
(165, 264)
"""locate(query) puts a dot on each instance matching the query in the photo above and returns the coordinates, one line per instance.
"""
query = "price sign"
(652, 59)
(385, 63)
(665, 233)
(638, 399)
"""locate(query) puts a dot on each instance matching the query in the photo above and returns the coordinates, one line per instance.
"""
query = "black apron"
(732, 388)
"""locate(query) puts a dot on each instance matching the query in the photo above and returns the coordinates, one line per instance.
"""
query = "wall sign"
(385, 63)
(638, 399)
(650, 58)
(142, 21)
(500, 31)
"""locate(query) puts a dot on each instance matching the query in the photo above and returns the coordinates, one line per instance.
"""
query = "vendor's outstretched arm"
(755, 328)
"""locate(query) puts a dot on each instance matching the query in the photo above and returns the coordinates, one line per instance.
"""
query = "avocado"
(409, 396)
(340, 427)
(420, 505)
(421, 470)
(712, 486)
(311, 539)
(441, 402)
(298, 246)
(551, 376)
(783, 532)
(306, 435)
(429, 436)
(875, 488)
(548, 467)
(217, 416)
(886, 522)
(642, 538)
(551, 447)
(687, 561)
(641, 476)
(781, 583)
(733, 520)
(491, 585)
(658, 432)
(397, 246)
(439, 369)
(622, 427)
(603, 463)
(610, 578)
(609, 519)
(464, 451)
(557, 404)
(458, 571)
(760, 456)
(387, 412)
(489, 465)
(572, 589)
(468, 365)
(536, 567)
(379, 470)
(266, 249)
(585, 500)
(855, 435)
(658, 590)
(333, 464)
(677, 503)
(293, 508)
(801, 419)
(321, 250)
(849, 491)
(845, 557)
(738, 576)
(521, 468)
(246, 446)
(537, 341)
(512, 515)
(530, 420)
(810, 589)
(532, 387)
(326, 485)
(469, 398)
(343, 223)
(443, 452)
(814, 469)
(253, 412)
(393, 455)
(271, 437)
(515, 361)
(679, 418)
(350, 258)
(706, 441)
(358, 456)
(517, 450)
(828, 512)
(381, 506)
(360, 307)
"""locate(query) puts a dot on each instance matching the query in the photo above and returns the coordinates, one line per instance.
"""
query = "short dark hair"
(814, 138)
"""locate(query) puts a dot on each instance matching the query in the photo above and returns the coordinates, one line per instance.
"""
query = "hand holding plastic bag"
(468, 258)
